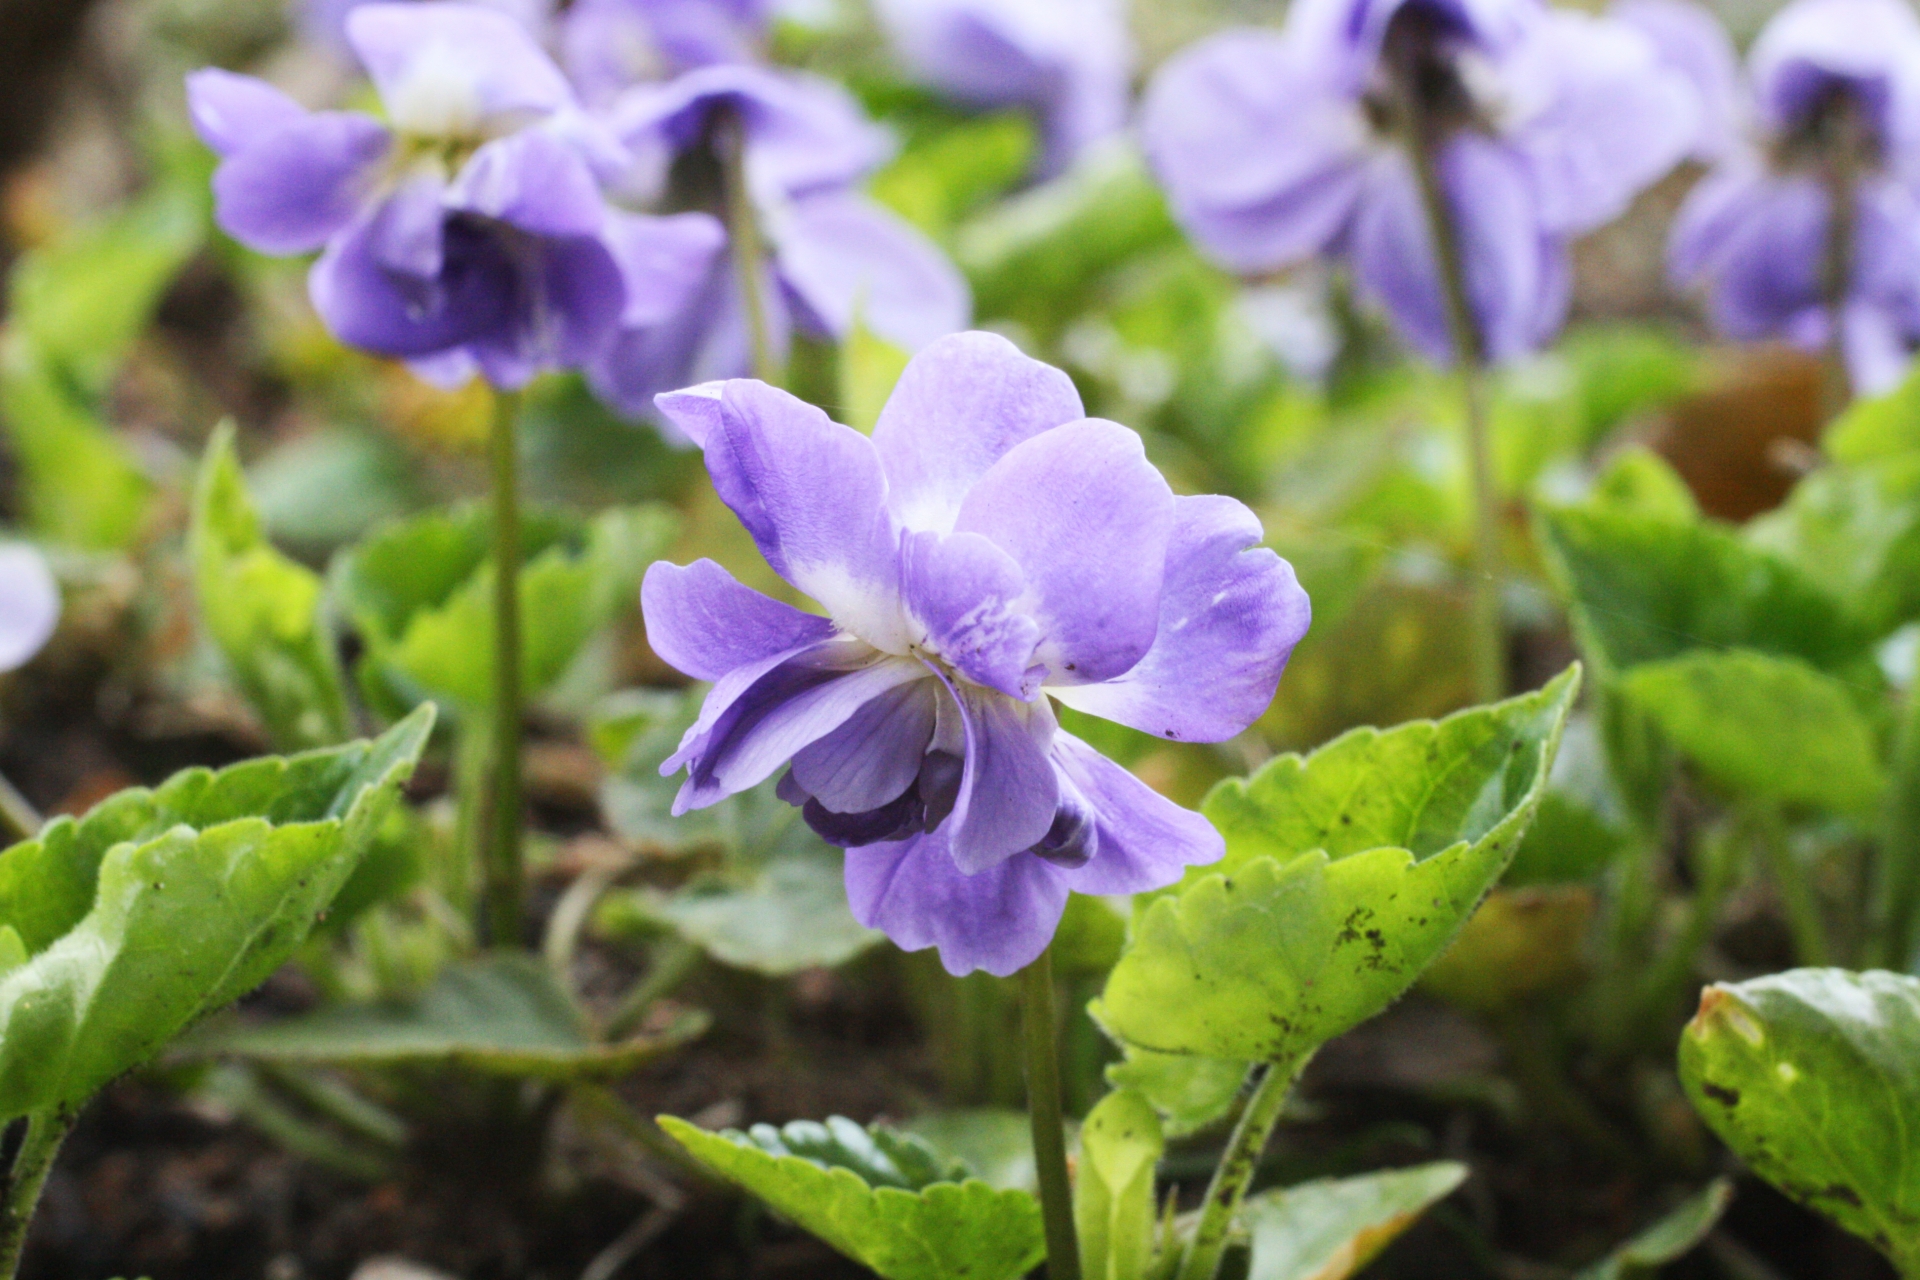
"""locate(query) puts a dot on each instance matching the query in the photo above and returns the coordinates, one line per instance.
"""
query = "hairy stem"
(504, 870)
(1488, 638)
(1043, 1109)
(46, 1130)
(1267, 1087)
(743, 234)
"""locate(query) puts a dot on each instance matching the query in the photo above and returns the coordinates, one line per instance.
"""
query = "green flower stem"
(19, 820)
(1043, 1108)
(46, 1130)
(1899, 893)
(1267, 1087)
(1796, 891)
(1716, 872)
(504, 872)
(743, 234)
(1488, 634)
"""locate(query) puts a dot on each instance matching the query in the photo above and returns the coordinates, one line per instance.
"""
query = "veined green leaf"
(1813, 1078)
(263, 610)
(161, 906)
(1328, 1230)
(883, 1199)
(1347, 872)
(502, 1015)
(1763, 726)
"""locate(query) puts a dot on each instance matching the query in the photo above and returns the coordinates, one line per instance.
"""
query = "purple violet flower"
(29, 604)
(324, 22)
(1834, 83)
(611, 45)
(989, 550)
(467, 232)
(833, 255)
(1278, 146)
(1068, 61)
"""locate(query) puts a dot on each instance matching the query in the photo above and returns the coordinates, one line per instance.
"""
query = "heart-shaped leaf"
(883, 1199)
(1857, 530)
(1644, 588)
(1766, 726)
(263, 610)
(1347, 872)
(1328, 1230)
(1813, 1078)
(421, 593)
(502, 1015)
(161, 906)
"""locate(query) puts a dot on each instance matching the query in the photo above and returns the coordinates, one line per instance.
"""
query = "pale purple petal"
(611, 45)
(847, 259)
(663, 261)
(961, 588)
(531, 180)
(1063, 504)
(1692, 41)
(29, 604)
(566, 308)
(231, 112)
(1008, 792)
(1345, 36)
(452, 69)
(874, 756)
(1714, 210)
(812, 495)
(798, 703)
(1145, 841)
(1504, 252)
(1611, 117)
(290, 190)
(367, 304)
(1878, 348)
(702, 622)
(803, 132)
(999, 920)
(1231, 612)
(1261, 159)
(408, 234)
(1872, 47)
(961, 403)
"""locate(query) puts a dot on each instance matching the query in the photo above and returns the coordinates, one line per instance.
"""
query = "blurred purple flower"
(612, 45)
(989, 550)
(1277, 146)
(834, 255)
(1068, 61)
(1834, 82)
(324, 22)
(29, 604)
(467, 233)
(1691, 40)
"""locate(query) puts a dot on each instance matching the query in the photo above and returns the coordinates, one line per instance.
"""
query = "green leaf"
(1346, 874)
(1856, 530)
(775, 903)
(1640, 481)
(1521, 943)
(1813, 1078)
(323, 489)
(1874, 427)
(1113, 1208)
(1191, 1093)
(1644, 588)
(880, 1198)
(942, 176)
(501, 1015)
(263, 610)
(421, 593)
(1568, 842)
(1329, 1229)
(1763, 726)
(1668, 1240)
(80, 484)
(84, 299)
(159, 906)
(995, 1143)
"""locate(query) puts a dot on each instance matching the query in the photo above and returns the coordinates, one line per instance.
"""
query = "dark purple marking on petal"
(874, 757)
